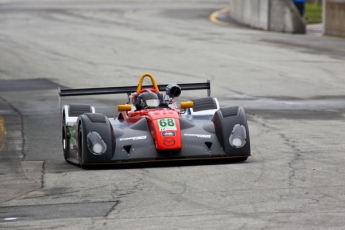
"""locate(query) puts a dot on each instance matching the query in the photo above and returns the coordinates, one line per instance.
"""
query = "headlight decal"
(95, 143)
(238, 136)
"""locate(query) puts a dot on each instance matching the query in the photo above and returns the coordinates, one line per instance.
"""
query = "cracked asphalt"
(291, 87)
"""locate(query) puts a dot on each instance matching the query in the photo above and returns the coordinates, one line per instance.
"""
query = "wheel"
(82, 147)
(65, 139)
(81, 143)
(205, 103)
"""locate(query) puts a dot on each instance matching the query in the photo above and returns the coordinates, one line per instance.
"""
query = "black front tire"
(65, 140)
(82, 147)
(81, 143)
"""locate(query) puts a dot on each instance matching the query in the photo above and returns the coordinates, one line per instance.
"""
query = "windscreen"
(152, 102)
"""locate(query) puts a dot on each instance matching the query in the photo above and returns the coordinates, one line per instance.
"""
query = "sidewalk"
(315, 29)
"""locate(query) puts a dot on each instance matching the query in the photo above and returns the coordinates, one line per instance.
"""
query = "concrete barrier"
(270, 15)
(334, 18)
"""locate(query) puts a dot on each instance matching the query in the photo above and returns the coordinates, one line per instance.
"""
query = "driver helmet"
(147, 99)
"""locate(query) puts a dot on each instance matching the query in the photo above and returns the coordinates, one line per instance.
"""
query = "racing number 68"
(167, 123)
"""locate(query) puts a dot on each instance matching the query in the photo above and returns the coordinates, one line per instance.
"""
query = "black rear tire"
(204, 103)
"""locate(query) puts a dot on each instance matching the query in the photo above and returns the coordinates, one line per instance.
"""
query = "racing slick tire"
(75, 110)
(204, 103)
(232, 131)
(96, 124)
(65, 139)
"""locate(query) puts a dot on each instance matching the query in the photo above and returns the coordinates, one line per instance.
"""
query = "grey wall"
(271, 15)
(334, 17)
(251, 12)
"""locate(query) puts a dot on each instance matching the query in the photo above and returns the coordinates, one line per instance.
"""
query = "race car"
(151, 126)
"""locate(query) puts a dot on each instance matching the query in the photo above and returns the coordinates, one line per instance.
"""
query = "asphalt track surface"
(291, 86)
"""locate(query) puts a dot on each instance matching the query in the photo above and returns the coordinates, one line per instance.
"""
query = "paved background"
(290, 85)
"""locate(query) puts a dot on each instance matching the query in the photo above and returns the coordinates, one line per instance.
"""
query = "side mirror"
(173, 90)
(122, 108)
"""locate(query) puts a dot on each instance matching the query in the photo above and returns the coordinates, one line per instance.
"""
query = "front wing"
(135, 144)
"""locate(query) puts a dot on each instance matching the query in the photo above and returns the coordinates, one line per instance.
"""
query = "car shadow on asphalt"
(167, 164)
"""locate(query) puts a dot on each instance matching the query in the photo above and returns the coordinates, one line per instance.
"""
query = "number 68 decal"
(166, 124)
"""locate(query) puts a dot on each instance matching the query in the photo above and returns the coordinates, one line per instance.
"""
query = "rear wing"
(129, 89)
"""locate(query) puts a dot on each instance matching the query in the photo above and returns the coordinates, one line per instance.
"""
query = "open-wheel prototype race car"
(152, 127)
